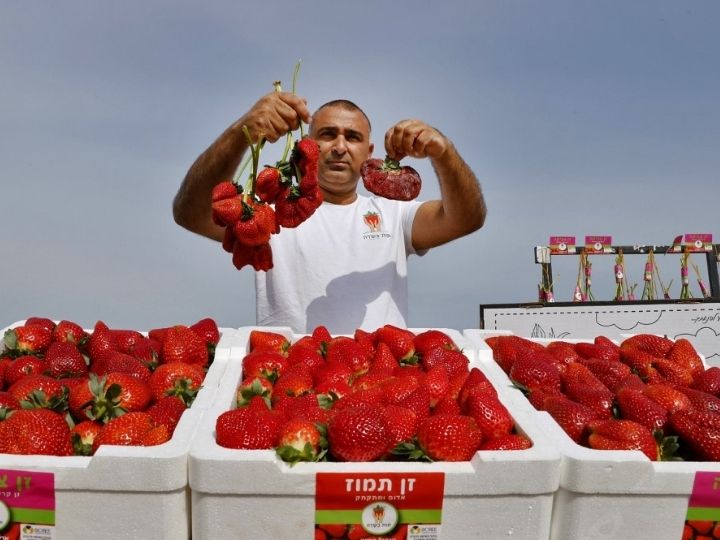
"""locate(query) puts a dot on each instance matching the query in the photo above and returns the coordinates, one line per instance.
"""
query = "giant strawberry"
(359, 433)
(388, 179)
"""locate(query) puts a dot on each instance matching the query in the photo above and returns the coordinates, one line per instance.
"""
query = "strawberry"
(333, 530)
(331, 373)
(209, 332)
(453, 360)
(147, 351)
(531, 371)
(401, 342)
(268, 184)
(305, 152)
(294, 406)
(684, 354)
(301, 440)
(250, 427)
(225, 190)
(125, 340)
(102, 398)
(40, 321)
(181, 344)
(293, 207)
(609, 372)
(8, 402)
(256, 224)
(227, 212)
(429, 339)
(657, 346)
(449, 437)
(635, 405)
(572, 417)
(622, 435)
(700, 431)
(69, 331)
(595, 350)
(64, 359)
(295, 381)
(599, 399)
(437, 383)
(507, 349)
(269, 365)
(155, 435)
(563, 351)
(167, 412)
(100, 340)
(708, 381)
(259, 257)
(307, 355)
(491, 416)
(177, 379)
(251, 387)
(359, 433)
(117, 362)
(345, 350)
(321, 335)
(126, 430)
(23, 366)
(701, 400)
(158, 334)
(28, 339)
(672, 372)
(267, 340)
(388, 179)
(447, 405)
(383, 362)
(36, 431)
(511, 441)
(83, 435)
(40, 391)
(671, 399)
(361, 397)
(135, 394)
(402, 424)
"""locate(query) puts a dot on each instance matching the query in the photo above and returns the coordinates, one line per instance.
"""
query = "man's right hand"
(274, 115)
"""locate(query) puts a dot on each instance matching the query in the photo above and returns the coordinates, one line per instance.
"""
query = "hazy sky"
(579, 118)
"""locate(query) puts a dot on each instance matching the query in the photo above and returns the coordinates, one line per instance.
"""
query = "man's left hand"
(416, 139)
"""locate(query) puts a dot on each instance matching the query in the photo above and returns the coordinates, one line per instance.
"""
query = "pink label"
(706, 490)
(698, 242)
(597, 244)
(560, 245)
(27, 489)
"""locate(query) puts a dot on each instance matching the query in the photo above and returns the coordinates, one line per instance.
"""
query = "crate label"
(703, 514)
(562, 245)
(698, 242)
(598, 244)
(382, 505)
(27, 505)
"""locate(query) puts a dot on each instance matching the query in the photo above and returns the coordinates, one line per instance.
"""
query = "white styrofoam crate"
(254, 494)
(613, 494)
(129, 491)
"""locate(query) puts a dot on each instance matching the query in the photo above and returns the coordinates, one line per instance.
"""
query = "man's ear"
(371, 148)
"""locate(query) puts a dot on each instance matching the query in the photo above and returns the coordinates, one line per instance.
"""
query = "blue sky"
(579, 118)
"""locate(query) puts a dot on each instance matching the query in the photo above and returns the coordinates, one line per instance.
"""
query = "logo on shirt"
(372, 220)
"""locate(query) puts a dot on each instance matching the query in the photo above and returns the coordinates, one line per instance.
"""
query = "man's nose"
(340, 145)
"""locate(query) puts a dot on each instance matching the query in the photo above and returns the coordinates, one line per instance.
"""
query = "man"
(346, 266)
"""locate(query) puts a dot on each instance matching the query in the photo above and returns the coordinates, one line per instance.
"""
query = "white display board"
(699, 323)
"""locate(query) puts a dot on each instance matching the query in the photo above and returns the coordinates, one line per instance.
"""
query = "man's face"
(344, 140)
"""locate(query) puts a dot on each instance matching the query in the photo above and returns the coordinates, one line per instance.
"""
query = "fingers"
(414, 138)
(275, 114)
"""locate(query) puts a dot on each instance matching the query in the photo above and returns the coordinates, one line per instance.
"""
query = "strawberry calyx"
(390, 164)
(668, 446)
(256, 389)
(37, 399)
(410, 451)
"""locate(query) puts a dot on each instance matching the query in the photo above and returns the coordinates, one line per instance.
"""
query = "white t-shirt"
(345, 267)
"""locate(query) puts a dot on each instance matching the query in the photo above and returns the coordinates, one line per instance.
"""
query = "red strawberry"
(359, 433)
(305, 152)
(259, 257)
(402, 424)
(609, 372)
(401, 342)
(654, 345)
(147, 351)
(167, 412)
(572, 417)
(622, 435)
(531, 371)
(596, 350)
(118, 362)
(635, 405)
(83, 435)
(453, 360)
(267, 340)
(100, 340)
(256, 224)
(64, 359)
(384, 362)
(37, 431)
(227, 212)
(306, 352)
(135, 394)
(155, 435)
(512, 441)
(28, 339)
(388, 179)
(39, 391)
(684, 354)
(564, 352)
(333, 530)
(251, 387)
(295, 381)
(225, 190)
(599, 399)
(429, 339)
(671, 399)
(490, 415)
(701, 400)
(181, 344)
(355, 398)
(672, 372)
(208, 330)
(125, 340)
(40, 321)
(126, 430)
(177, 379)
(301, 440)
(293, 207)
(321, 335)
(69, 331)
(8, 402)
(21, 367)
(107, 397)
(250, 427)
(449, 437)
(268, 184)
(507, 349)
(269, 365)
(437, 382)
(158, 334)
(708, 381)
(345, 350)
(700, 430)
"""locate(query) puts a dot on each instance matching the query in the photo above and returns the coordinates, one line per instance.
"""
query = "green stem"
(255, 154)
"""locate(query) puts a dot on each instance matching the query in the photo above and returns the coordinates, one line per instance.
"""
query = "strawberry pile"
(648, 393)
(65, 391)
(390, 394)
(701, 530)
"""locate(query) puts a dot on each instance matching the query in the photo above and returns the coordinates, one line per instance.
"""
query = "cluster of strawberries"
(390, 394)
(281, 196)
(65, 391)
(648, 393)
